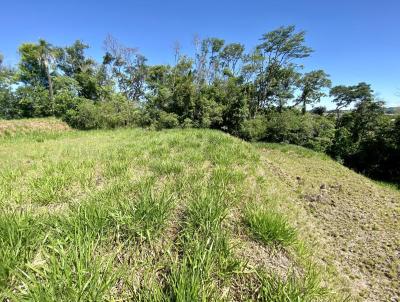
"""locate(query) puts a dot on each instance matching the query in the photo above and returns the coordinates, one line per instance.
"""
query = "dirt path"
(356, 220)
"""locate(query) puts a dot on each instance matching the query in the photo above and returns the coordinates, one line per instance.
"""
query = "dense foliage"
(262, 94)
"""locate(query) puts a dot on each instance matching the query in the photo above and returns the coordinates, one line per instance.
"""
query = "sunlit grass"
(127, 215)
(268, 226)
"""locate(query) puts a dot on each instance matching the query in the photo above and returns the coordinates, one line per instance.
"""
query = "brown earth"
(355, 220)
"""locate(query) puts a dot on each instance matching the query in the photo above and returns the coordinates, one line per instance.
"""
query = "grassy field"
(188, 215)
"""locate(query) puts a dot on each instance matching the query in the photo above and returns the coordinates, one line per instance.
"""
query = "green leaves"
(312, 84)
(284, 44)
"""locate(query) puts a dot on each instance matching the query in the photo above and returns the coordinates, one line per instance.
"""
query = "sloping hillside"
(29, 126)
(188, 215)
(355, 220)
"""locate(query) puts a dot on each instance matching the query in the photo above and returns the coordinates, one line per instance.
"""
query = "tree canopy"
(260, 93)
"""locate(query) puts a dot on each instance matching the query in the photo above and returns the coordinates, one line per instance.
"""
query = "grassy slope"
(31, 126)
(355, 220)
(184, 215)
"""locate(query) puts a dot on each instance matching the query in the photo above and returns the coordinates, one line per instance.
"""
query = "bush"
(323, 132)
(85, 116)
(65, 101)
(114, 113)
(308, 130)
(376, 153)
(33, 102)
(8, 105)
(254, 129)
(167, 120)
(187, 123)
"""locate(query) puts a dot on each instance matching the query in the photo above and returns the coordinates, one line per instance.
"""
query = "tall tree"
(311, 85)
(278, 50)
(230, 57)
(285, 81)
(36, 67)
(72, 59)
(30, 70)
(91, 77)
(344, 96)
(207, 64)
(7, 97)
(46, 57)
(128, 68)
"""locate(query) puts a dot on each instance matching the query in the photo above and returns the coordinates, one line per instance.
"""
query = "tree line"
(261, 95)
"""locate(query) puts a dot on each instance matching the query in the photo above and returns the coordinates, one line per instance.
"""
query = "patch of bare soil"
(356, 220)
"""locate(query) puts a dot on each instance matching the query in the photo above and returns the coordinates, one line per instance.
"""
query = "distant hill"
(387, 110)
(392, 110)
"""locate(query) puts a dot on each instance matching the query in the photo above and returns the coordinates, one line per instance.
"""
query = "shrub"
(64, 101)
(187, 123)
(8, 105)
(33, 101)
(167, 120)
(85, 116)
(118, 113)
(308, 130)
(114, 113)
(254, 129)
(323, 132)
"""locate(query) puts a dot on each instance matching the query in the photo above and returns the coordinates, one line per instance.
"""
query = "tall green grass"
(130, 215)
(269, 226)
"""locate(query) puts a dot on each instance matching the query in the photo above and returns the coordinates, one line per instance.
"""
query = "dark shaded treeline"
(262, 94)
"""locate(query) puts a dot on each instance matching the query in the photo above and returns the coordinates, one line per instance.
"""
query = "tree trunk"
(280, 106)
(304, 109)
(50, 82)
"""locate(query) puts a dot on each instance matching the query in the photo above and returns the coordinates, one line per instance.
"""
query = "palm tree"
(46, 57)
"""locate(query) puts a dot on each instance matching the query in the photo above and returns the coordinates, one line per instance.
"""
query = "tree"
(91, 77)
(344, 96)
(311, 85)
(366, 118)
(172, 90)
(7, 98)
(128, 68)
(284, 84)
(46, 57)
(230, 57)
(72, 60)
(320, 110)
(272, 61)
(37, 65)
(30, 69)
(207, 65)
(235, 109)
(283, 45)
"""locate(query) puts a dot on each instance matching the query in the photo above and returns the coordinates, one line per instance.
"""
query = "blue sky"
(354, 40)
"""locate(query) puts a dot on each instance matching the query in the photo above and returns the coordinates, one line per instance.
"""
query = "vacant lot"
(188, 215)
